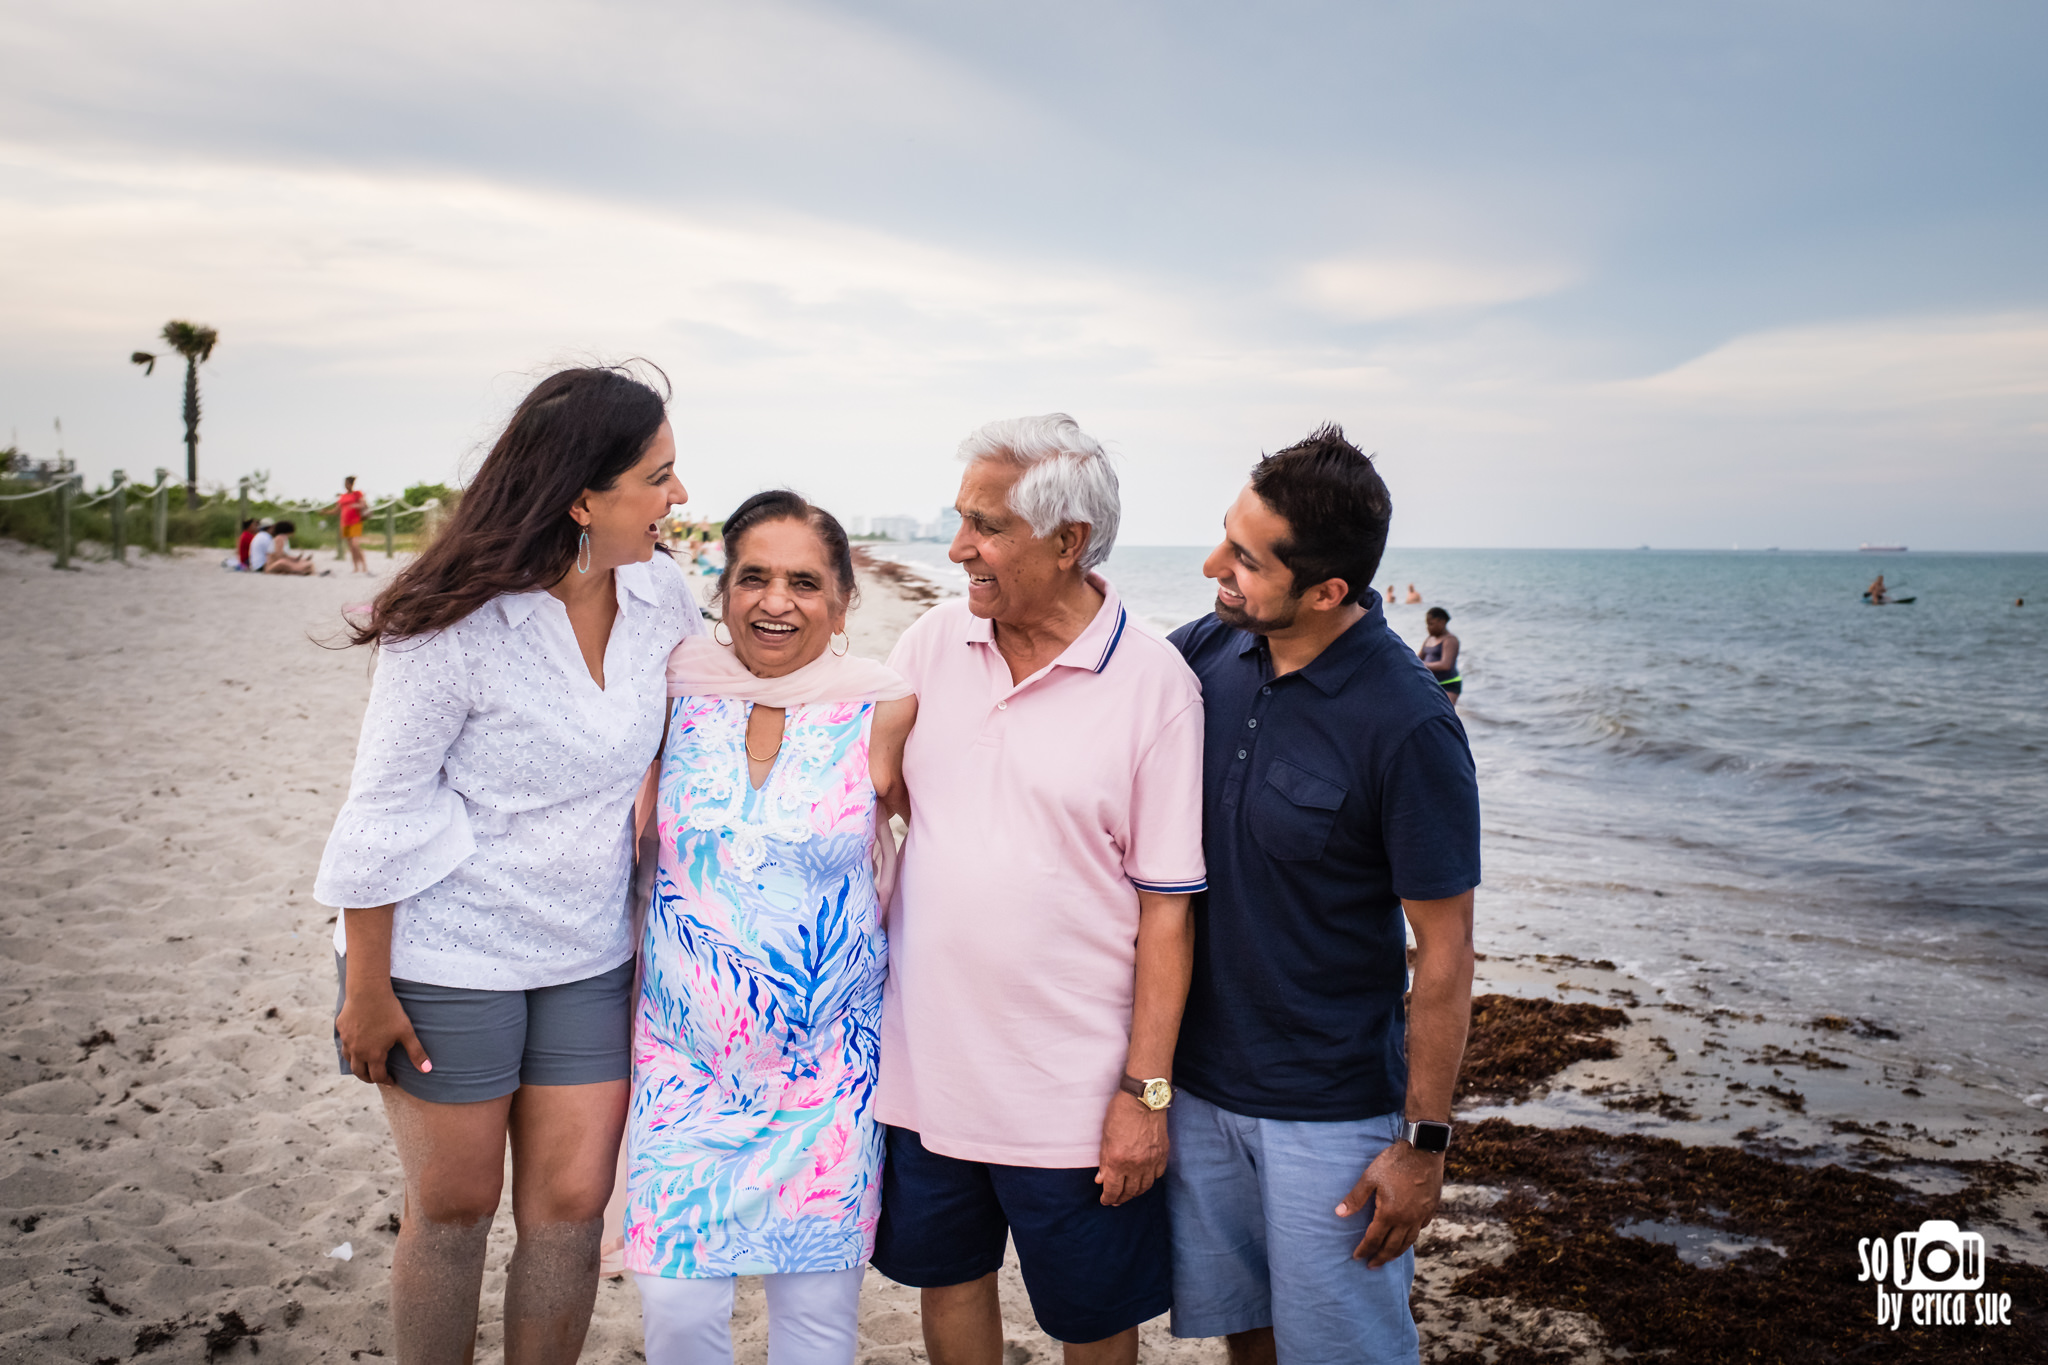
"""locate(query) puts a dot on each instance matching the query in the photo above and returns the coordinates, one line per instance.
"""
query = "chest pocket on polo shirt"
(1293, 812)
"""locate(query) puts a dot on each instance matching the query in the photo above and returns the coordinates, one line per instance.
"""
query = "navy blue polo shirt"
(1328, 797)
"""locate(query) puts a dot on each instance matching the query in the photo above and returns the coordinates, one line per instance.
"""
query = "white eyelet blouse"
(493, 792)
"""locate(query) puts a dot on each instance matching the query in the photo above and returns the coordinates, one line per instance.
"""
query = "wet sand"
(179, 1158)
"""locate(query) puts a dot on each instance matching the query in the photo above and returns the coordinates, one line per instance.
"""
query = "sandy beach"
(181, 1161)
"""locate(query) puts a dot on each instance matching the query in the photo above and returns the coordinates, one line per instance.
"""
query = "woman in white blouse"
(482, 861)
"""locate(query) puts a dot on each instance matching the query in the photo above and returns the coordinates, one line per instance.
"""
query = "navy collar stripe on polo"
(1114, 636)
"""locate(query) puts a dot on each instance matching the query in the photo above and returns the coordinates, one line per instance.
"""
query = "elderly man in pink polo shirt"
(1039, 940)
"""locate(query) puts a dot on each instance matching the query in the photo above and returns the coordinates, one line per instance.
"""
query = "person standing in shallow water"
(1439, 653)
(482, 860)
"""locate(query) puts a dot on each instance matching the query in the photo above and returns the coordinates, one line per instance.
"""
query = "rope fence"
(392, 508)
(68, 489)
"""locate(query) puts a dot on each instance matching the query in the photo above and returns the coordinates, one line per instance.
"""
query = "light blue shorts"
(1257, 1241)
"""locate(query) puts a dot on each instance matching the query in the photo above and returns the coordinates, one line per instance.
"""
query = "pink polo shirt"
(1038, 810)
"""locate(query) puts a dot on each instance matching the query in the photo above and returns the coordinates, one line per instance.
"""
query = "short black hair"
(1437, 614)
(1337, 510)
(283, 528)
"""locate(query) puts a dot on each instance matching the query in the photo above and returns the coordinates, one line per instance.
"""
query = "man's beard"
(1258, 625)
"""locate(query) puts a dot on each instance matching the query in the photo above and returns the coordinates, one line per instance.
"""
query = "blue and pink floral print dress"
(752, 1144)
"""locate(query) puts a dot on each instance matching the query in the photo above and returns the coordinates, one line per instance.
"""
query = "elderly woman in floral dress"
(752, 1143)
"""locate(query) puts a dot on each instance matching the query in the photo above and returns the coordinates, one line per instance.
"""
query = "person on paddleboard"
(1875, 592)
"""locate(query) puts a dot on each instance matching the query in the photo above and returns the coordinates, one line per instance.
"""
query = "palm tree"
(196, 344)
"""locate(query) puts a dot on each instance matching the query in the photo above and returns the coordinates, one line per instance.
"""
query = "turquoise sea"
(1732, 777)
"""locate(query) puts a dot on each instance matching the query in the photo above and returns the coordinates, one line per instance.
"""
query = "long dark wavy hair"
(512, 532)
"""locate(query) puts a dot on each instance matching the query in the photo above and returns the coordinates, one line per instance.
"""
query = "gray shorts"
(486, 1044)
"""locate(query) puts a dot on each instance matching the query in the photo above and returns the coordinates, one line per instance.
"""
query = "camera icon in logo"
(1940, 1256)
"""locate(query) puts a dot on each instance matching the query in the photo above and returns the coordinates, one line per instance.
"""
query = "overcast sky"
(1582, 273)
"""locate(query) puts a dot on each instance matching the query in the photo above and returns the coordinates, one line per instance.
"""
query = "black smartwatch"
(1427, 1135)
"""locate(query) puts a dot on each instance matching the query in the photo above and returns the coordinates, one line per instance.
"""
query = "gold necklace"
(760, 758)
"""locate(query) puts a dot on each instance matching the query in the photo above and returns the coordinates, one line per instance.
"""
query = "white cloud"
(1882, 365)
(394, 272)
(1376, 288)
(552, 77)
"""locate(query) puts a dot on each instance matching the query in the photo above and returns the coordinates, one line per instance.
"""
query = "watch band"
(1155, 1094)
(1427, 1135)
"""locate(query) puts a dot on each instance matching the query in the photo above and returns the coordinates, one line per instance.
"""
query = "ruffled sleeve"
(403, 828)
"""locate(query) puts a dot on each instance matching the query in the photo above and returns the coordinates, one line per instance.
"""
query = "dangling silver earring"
(583, 552)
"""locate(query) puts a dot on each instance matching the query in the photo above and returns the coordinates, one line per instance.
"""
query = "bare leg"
(1252, 1348)
(1121, 1349)
(565, 1147)
(963, 1323)
(454, 1160)
(357, 564)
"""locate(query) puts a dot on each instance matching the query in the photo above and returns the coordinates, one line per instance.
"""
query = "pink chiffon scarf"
(701, 667)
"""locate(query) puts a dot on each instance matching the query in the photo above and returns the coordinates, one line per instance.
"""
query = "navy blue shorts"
(1091, 1271)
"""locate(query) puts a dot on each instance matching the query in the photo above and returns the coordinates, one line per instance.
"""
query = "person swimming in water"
(1439, 653)
(1413, 598)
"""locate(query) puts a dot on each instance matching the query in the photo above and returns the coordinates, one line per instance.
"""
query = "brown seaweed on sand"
(1795, 1299)
(1563, 1272)
(1517, 1043)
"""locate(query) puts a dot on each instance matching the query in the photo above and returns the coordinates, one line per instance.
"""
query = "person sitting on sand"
(279, 558)
(483, 858)
(752, 1142)
(260, 544)
(1339, 799)
(350, 505)
(1439, 653)
(1414, 598)
(1039, 940)
(242, 542)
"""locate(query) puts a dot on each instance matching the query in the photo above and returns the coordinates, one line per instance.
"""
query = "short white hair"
(1067, 477)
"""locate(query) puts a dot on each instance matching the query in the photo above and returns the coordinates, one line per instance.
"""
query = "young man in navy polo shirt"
(1311, 1118)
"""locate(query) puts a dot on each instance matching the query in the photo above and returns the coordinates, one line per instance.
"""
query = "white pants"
(811, 1318)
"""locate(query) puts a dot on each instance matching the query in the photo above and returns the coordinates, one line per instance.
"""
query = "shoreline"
(180, 1156)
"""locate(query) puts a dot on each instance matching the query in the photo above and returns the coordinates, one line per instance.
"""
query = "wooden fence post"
(163, 512)
(390, 529)
(242, 504)
(117, 516)
(64, 523)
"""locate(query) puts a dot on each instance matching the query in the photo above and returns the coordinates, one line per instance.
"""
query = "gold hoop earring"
(849, 644)
(717, 626)
(583, 553)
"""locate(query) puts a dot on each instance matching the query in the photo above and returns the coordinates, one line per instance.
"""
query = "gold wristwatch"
(1154, 1094)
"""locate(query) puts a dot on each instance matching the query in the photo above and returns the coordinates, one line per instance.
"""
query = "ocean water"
(1729, 775)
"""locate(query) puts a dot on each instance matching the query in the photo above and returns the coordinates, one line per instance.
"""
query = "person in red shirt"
(351, 505)
(242, 544)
